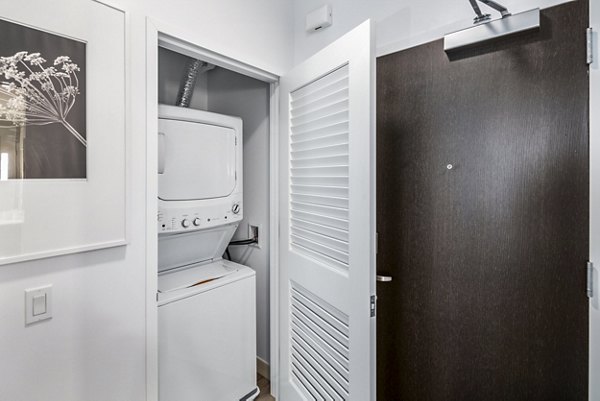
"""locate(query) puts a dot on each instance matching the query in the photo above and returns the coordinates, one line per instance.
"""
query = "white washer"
(206, 323)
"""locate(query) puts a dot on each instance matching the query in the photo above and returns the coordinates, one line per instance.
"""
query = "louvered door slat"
(318, 109)
(324, 384)
(320, 112)
(319, 190)
(321, 181)
(323, 102)
(330, 316)
(311, 207)
(328, 171)
(329, 241)
(323, 219)
(333, 129)
(322, 161)
(319, 89)
(318, 143)
(301, 367)
(326, 151)
(317, 228)
(331, 104)
(324, 335)
(325, 84)
(318, 200)
(321, 253)
(304, 384)
(300, 101)
(320, 345)
(333, 369)
(340, 366)
(320, 123)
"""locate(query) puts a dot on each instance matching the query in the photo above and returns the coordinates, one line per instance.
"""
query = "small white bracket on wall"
(319, 19)
(590, 280)
(590, 46)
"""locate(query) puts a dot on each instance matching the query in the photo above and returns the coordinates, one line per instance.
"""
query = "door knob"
(384, 279)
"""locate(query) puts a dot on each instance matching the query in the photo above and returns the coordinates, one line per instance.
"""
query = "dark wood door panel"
(483, 218)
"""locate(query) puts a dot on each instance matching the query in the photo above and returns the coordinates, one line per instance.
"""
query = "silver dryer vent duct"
(186, 90)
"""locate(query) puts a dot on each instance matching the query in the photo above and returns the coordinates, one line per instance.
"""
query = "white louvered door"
(327, 228)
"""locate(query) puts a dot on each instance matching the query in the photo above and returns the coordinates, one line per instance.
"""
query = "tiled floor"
(265, 389)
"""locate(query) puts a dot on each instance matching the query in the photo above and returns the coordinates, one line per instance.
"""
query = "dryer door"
(196, 161)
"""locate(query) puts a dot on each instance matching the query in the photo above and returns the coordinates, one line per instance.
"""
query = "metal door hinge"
(589, 33)
(373, 305)
(590, 280)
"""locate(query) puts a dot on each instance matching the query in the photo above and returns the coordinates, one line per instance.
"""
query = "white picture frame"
(48, 217)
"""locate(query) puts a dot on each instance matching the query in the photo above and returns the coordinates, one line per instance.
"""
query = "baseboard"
(262, 368)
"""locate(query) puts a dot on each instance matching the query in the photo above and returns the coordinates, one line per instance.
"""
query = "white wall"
(238, 95)
(595, 205)
(94, 347)
(398, 23)
(256, 32)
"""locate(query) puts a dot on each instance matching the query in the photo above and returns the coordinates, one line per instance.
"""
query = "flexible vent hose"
(184, 97)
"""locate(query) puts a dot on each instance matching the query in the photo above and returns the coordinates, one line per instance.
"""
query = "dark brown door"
(483, 218)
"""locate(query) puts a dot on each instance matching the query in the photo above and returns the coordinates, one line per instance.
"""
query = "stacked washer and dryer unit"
(206, 304)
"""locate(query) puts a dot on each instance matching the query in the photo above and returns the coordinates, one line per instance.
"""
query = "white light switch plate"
(38, 304)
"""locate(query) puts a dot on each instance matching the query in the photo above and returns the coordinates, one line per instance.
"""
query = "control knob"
(235, 208)
(196, 221)
(185, 223)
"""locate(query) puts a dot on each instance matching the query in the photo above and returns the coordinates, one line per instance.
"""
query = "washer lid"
(196, 275)
(195, 280)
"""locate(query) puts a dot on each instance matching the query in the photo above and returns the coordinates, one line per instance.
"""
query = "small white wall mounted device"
(319, 19)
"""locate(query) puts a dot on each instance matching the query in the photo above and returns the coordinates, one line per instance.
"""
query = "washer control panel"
(191, 216)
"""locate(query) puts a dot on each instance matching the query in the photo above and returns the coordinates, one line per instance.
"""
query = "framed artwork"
(62, 129)
(42, 98)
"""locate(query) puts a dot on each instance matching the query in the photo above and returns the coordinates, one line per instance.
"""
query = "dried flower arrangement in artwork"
(39, 94)
(43, 108)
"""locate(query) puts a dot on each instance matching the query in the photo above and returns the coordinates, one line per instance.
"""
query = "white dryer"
(200, 166)
(206, 305)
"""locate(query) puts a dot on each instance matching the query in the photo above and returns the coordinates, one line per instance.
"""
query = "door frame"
(174, 38)
(594, 166)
